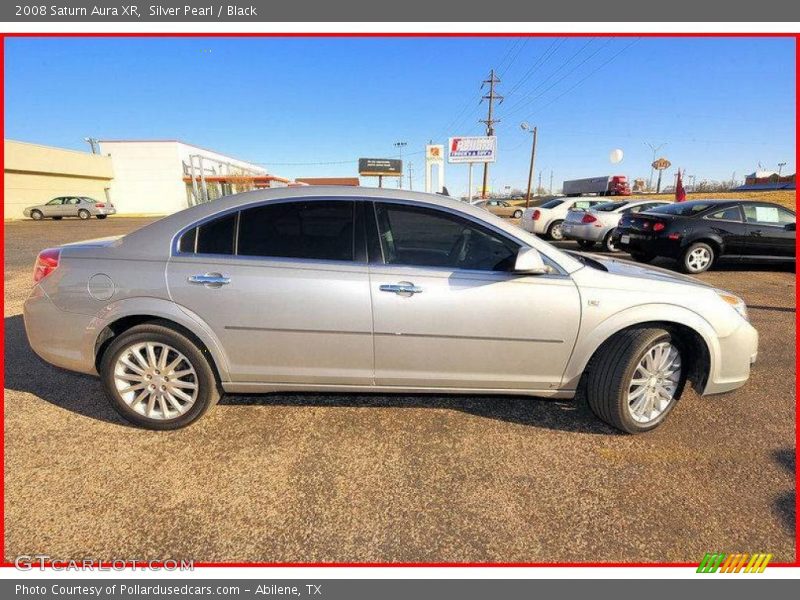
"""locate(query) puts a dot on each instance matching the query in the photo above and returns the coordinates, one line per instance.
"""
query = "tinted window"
(551, 203)
(319, 230)
(433, 238)
(216, 237)
(767, 214)
(729, 214)
(609, 206)
(186, 243)
(683, 208)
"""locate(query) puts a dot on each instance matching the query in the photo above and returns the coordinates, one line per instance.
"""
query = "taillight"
(587, 218)
(98, 205)
(536, 215)
(46, 263)
(659, 227)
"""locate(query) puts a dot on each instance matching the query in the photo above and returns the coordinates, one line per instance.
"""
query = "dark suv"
(700, 232)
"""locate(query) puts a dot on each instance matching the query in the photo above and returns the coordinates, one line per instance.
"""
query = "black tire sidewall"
(207, 394)
(607, 242)
(517, 214)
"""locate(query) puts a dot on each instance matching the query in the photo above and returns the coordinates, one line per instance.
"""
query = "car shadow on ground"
(84, 395)
(785, 505)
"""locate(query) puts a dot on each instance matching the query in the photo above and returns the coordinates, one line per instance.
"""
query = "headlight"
(735, 302)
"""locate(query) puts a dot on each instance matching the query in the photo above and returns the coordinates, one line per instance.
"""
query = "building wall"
(35, 174)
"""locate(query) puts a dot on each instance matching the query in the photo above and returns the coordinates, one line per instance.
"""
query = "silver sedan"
(369, 290)
(596, 225)
(82, 207)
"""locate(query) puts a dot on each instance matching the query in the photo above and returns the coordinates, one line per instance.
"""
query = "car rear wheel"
(586, 244)
(158, 378)
(697, 258)
(37, 215)
(636, 379)
(84, 214)
(517, 214)
(555, 231)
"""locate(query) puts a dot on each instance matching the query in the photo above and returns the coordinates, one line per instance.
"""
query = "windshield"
(610, 206)
(683, 209)
(92, 200)
(552, 203)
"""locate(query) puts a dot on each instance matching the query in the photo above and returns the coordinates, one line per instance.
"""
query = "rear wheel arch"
(717, 244)
(119, 326)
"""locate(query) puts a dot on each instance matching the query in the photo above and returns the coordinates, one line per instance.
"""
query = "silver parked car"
(70, 206)
(340, 289)
(596, 224)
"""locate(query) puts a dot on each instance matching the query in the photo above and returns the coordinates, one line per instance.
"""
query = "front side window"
(767, 214)
(322, 230)
(55, 201)
(417, 236)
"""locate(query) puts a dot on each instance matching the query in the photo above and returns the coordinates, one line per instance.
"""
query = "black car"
(700, 232)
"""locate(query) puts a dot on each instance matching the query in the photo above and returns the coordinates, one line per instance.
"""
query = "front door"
(288, 296)
(730, 226)
(449, 313)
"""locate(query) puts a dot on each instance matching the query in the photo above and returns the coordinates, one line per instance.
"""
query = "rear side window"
(729, 214)
(551, 203)
(321, 230)
(609, 206)
(213, 237)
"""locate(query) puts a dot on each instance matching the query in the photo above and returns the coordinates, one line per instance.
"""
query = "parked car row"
(81, 207)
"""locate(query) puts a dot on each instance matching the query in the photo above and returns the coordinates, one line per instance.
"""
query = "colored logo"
(733, 563)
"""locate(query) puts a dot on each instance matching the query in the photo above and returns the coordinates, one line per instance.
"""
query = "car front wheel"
(36, 215)
(636, 378)
(697, 258)
(158, 378)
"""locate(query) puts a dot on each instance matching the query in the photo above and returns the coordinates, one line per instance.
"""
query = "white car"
(548, 218)
(596, 225)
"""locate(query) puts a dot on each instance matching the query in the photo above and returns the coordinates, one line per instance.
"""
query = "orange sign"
(661, 164)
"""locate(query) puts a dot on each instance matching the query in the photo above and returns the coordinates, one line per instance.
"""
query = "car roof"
(147, 242)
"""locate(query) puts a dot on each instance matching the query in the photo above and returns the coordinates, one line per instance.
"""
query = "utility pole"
(780, 167)
(411, 176)
(489, 120)
(655, 150)
(400, 146)
(526, 127)
(93, 143)
(539, 187)
(551, 182)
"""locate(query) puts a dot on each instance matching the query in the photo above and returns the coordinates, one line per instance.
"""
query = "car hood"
(629, 269)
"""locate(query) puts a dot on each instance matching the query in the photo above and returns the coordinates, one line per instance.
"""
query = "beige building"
(35, 174)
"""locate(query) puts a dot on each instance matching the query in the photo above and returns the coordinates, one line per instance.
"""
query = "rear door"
(767, 230)
(449, 313)
(285, 288)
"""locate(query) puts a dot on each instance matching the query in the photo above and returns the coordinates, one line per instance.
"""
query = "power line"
(504, 70)
(551, 49)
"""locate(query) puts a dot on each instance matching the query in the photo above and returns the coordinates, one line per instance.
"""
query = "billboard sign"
(380, 167)
(661, 164)
(434, 153)
(480, 149)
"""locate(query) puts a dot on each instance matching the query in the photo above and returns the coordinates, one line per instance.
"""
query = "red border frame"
(796, 37)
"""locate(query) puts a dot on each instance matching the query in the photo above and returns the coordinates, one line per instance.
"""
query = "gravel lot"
(303, 477)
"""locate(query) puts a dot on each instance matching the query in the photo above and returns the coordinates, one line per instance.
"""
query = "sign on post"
(380, 167)
(472, 149)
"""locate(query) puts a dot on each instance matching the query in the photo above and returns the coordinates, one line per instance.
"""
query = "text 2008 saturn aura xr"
(336, 289)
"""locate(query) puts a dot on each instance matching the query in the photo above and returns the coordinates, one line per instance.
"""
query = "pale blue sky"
(721, 104)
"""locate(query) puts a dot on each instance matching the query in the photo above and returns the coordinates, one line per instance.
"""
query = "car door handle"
(213, 280)
(404, 288)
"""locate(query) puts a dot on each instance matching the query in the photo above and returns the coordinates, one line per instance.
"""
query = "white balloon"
(615, 156)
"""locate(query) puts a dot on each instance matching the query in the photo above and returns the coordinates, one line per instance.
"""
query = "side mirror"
(530, 261)
(791, 227)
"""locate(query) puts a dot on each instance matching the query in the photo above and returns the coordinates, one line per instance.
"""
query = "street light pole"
(655, 150)
(526, 127)
(400, 146)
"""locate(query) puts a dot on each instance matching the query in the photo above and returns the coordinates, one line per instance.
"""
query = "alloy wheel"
(156, 380)
(556, 232)
(698, 259)
(654, 383)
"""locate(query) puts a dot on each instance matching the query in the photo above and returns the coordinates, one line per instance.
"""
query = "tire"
(642, 257)
(697, 258)
(136, 406)
(84, 214)
(101, 217)
(608, 242)
(37, 215)
(554, 231)
(615, 367)
(585, 244)
(517, 214)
